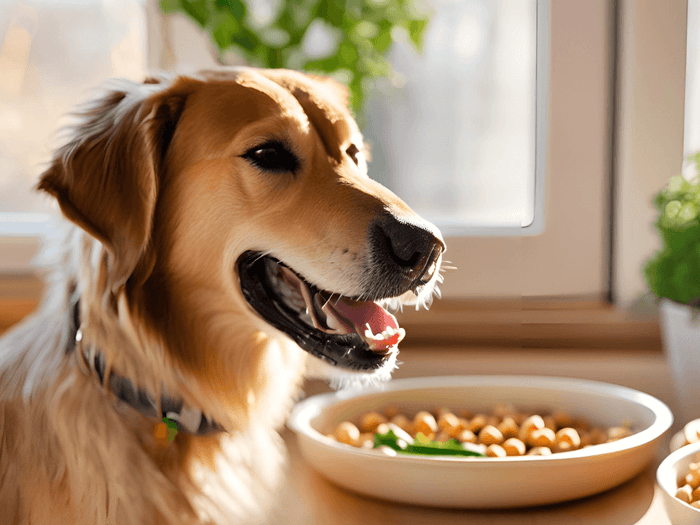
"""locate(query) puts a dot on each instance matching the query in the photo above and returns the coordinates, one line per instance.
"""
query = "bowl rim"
(667, 466)
(306, 410)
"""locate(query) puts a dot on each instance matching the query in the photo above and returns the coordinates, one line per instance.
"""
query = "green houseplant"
(674, 271)
(673, 276)
(363, 31)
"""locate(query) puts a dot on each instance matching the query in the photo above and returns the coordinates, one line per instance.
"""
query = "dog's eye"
(272, 156)
(353, 152)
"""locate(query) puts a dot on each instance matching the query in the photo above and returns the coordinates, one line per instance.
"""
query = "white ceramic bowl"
(484, 482)
(671, 470)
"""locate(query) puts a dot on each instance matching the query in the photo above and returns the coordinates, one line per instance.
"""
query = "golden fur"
(161, 205)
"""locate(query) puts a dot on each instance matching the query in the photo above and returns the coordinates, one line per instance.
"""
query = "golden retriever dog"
(223, 240)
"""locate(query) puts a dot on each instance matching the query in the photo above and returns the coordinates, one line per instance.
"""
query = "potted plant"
(362, 33)
(673, 276)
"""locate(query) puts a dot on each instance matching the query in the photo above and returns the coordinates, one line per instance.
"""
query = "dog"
(223, 241)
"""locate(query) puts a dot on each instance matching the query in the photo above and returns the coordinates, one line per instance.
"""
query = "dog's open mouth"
(353, 334)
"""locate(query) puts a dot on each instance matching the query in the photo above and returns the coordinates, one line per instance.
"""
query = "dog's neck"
(171, 408)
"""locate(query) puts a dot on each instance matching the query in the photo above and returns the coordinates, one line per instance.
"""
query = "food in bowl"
(689, 435)
(689, 485)
(505, 432)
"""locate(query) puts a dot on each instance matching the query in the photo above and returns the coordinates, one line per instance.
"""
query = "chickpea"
(501, 410)
(568, 436)
(481, 449)
(597, 436)
(490, 435)
(391, 411)
(692, 478)
(442, 436)
(695, 504)
(539, 451)
(467, 436)
(466, 414)
(691, 431)
(580, 425)
(508, 427)
(477, 423)
(402, 422)
(562, 419)
(451, 424)
(382, 429)
(370, 421)
(514, 447)
(347, 433)
(425, 422)
(696, 494)
(684, 493)
(495, 451)
(441, 411)
(530, 424)
(542, 437)
(616, 433)
(366, 440)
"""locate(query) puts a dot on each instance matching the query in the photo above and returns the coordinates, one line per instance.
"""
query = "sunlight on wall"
(52, 53)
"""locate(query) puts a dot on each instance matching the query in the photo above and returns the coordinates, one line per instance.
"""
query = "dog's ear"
(106, 177)
(325, 102)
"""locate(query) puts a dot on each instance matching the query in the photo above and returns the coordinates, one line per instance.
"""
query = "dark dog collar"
(188, 419)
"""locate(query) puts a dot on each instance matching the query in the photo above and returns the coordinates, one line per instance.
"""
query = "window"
(52, 52)
(455, 134)
(571, 255)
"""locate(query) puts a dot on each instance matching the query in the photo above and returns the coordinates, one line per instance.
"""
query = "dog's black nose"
(412, 249)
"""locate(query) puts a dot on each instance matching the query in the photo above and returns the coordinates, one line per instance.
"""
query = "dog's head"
(238, 201)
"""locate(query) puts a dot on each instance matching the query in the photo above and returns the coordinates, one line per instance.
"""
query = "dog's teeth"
(333, 323)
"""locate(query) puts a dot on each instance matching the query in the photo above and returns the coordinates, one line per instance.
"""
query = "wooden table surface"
(307, 498)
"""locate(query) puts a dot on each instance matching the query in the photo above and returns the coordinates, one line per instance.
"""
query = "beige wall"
(651, 77)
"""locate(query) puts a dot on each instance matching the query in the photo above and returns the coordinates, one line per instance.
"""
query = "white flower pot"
(681, 339)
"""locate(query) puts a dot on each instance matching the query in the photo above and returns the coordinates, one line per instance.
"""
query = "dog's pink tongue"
(363, 313)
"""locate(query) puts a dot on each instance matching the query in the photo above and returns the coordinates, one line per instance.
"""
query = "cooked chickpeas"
(477, 423)
(402, 422)
(451, 424)
(495, 451)
(539, 451)
(514, 447)
(688, 489)
(692, 478)
(616, 433)
(467, 436)
(684, 493)
(490, 436)
(347, 433)
(529, 425)
(542, 437)
(506, 432)
(370, 421)
(391, 411)
(508, 427)
(568, 436)
(425, 422)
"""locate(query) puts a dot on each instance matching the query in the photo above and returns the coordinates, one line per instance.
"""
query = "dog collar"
(172, 409)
